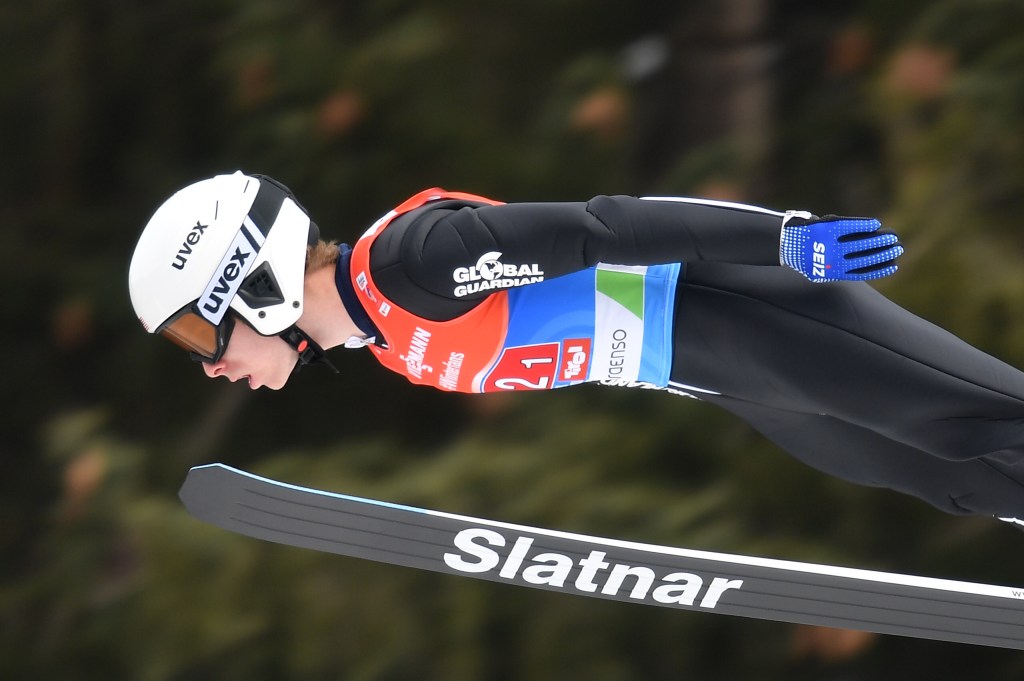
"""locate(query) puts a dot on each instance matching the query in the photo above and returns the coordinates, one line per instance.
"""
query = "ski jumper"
(464, 293)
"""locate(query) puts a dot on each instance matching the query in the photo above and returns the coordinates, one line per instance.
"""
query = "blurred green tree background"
(911, 111)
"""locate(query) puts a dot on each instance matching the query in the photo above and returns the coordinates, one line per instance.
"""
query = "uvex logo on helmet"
(229, 274)
(191, 239)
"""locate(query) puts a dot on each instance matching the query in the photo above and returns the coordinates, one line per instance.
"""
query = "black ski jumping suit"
(836, 374)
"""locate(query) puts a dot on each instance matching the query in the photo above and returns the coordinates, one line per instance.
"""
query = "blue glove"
(836, 249)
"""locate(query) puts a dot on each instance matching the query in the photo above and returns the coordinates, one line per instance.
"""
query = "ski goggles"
(205, 341)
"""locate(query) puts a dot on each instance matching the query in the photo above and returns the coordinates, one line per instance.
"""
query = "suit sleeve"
(418, 261)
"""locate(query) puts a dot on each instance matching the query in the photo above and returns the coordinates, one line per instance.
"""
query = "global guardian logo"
(490, 273)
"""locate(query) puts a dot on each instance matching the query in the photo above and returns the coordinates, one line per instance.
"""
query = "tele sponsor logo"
(575, 359)
(593, 573)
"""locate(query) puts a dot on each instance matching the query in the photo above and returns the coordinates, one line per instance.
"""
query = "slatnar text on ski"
(555, 569)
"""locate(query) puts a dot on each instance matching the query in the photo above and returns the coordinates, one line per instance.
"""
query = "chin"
(276, 385)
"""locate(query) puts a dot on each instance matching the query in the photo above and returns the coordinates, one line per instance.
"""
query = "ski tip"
(206, 466)
(203, 492)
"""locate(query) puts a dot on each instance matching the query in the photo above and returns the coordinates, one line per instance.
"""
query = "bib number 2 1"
(527, 367)
(536, 367)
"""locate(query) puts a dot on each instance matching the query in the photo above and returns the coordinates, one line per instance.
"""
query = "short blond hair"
(321, 254)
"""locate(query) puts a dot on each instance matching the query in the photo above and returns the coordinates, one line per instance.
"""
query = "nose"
(214, 370)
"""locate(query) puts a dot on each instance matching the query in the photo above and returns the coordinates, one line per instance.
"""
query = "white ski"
(625, 571)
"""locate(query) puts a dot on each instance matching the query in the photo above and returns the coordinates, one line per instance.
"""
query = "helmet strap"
(309, 350)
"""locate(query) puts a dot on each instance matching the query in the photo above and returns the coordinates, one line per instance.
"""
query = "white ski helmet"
(232, 242)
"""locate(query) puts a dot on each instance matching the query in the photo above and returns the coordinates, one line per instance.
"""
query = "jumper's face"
(260, 360)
